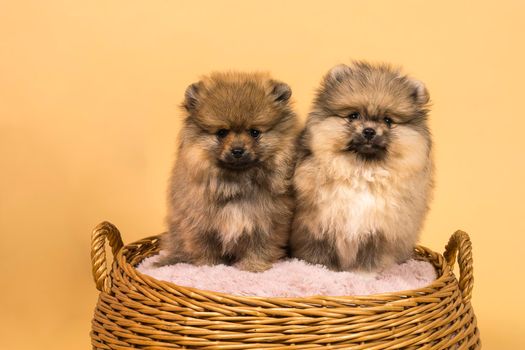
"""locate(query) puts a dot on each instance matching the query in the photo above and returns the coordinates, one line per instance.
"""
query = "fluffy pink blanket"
(293, 278)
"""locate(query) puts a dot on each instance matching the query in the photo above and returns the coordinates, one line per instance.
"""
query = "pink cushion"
(293, 278)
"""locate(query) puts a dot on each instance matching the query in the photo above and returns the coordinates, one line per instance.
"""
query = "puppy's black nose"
(369, 133)
(237, 152)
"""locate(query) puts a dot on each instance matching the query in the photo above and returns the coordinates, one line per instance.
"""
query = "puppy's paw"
(165, 260)
(368, 275)
(253, 265)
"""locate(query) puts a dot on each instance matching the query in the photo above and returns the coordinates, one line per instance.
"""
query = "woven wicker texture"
(138, 311)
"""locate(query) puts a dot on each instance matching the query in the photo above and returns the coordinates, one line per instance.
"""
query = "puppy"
(230, 191)
(364, 175)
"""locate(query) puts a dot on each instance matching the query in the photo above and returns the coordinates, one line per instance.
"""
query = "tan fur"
(355, 213)
(223, 215)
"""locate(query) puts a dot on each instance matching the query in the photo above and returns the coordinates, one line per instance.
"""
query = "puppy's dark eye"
(354, 116)
(255, 133)
(388, 121)
(222, 133)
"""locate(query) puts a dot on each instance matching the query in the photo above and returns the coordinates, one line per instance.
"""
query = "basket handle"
(459, 245)
(104, 231)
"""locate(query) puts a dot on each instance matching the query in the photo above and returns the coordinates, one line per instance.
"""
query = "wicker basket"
(138, 311)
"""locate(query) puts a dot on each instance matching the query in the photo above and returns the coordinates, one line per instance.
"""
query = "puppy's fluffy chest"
(358, 204)
(352, 199)
(241, 217)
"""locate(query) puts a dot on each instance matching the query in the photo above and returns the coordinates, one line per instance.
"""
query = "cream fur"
(354, 199)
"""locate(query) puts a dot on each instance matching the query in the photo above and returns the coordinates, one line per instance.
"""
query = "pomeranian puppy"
(363, 179)
(230, 191)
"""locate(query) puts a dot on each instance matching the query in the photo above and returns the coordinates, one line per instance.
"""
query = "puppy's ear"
(338, 73)
(420, 93)
(280, 91)
(191, 96)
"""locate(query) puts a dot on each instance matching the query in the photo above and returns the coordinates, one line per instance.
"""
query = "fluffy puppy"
(364, 175)
(230, 190)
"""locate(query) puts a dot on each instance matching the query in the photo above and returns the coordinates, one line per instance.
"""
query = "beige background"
(88, 117)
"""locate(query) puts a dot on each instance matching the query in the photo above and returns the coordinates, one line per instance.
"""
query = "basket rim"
(443, 270)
